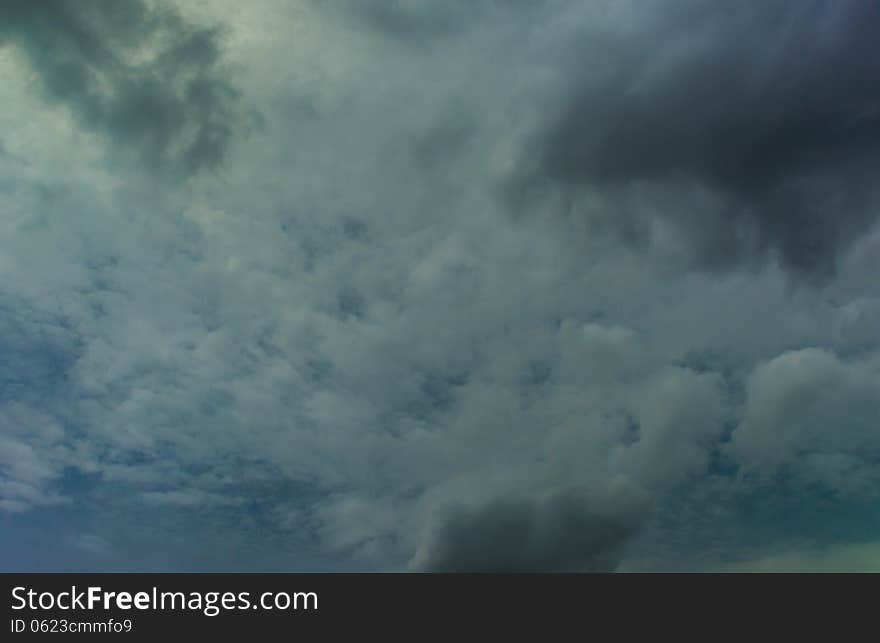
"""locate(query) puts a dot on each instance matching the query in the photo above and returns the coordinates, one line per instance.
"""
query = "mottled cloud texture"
(139, 74)
(494, 286)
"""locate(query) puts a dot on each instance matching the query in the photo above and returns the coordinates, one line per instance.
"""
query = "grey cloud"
(137, 73)
(302, 367)
(859, 323)
(753, 129)
(410, 22)
(444, 139)
(36, 352)
(814, 417)
(568, 530)
(421, 22)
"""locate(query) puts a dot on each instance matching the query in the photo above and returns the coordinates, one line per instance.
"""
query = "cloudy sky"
(439, 285)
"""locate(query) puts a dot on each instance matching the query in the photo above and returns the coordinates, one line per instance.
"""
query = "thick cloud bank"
(346, 350)
(566, 532)
(137, 73)
(753, 128)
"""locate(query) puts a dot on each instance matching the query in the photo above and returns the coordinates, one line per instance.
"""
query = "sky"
(424, 285)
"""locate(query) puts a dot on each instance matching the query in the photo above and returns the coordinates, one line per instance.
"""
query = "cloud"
(139, 74)
(749, 130)
(679, 415)
(815, 417)
(566, 531)
(408, 21)
(422, 22)
(350, 356)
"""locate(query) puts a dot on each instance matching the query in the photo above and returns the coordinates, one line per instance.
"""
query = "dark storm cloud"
(754, 128)
(137, 73)
(569, 531)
